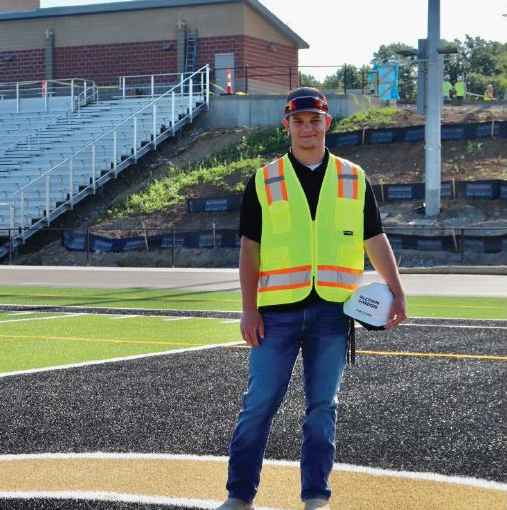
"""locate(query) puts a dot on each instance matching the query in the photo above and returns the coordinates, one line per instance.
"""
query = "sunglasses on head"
(306, 103)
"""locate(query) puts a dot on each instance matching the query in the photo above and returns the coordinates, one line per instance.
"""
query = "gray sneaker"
(235, 504)
(316, 504)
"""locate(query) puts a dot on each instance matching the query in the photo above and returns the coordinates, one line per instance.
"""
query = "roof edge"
(134, 5)
(275, 20)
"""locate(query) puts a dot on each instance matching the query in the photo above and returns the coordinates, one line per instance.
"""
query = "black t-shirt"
(250, 223)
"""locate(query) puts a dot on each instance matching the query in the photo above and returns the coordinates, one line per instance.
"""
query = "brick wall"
(105, 63)
(208, 46)
(25, 65)
(254, 52)
(278, 67)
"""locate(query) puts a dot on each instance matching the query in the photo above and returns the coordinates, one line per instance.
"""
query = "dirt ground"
(408, 116)
(393, 163)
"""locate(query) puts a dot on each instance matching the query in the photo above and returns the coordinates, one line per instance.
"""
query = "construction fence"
(475, 190)
(462, 242)
(470, 131)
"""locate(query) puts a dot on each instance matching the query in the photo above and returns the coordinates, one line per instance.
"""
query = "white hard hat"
(370, 305)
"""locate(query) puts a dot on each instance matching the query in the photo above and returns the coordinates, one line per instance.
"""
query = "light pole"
(432, 137)
(429, 58)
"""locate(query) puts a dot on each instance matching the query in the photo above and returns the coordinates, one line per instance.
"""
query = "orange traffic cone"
(229, 80)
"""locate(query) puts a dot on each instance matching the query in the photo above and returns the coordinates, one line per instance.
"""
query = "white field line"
(115, 360)
(348, 468)
(230, 321)
(119, 317)
(204, 504)
(178, 318)
(453, 326)
(20, 313)
(64, 316)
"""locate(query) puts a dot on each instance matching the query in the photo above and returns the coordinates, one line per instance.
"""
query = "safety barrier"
(481, 240)
(214, 204)
(366, 136)
(457, 241)
(474, 190)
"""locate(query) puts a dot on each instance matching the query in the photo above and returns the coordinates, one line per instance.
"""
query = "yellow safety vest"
(446, 88)
(296, 251)
(459, 87)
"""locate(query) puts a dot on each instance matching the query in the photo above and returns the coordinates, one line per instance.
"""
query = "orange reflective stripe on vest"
(284, 279)
(336, 276)
(347, 179)
(274, 181)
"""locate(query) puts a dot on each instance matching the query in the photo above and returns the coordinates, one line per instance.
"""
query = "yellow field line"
(414, 354)
(100, 340)
(434, 355)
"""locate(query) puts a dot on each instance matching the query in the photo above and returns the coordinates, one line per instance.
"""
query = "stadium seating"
(50, 160)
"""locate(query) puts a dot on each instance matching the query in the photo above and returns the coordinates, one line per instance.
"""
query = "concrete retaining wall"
(267, 110)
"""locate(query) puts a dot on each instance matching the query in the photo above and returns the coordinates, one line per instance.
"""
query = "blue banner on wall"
(214, 204)
(228, 238)
(476, 190)
(416, 134)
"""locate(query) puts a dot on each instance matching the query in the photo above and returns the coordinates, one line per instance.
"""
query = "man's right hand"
(251, 324)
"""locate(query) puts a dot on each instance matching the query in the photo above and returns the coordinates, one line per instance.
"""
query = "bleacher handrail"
(122, 81)
(203, 72)
(45, 89)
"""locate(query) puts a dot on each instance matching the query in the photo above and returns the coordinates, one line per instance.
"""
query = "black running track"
(444, 415)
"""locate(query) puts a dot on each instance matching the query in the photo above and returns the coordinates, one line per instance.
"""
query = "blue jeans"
(321, 331)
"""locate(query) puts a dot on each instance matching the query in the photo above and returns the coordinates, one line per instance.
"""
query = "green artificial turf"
(122, 298)
(457, 307)
(43, 340)
(36, 340)
(418, 306)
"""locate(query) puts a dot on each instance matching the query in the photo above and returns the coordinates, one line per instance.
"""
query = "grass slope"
(229, 169)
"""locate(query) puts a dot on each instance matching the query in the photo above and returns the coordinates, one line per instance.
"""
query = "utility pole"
(432, 136)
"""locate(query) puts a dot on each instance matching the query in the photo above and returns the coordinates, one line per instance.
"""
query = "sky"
(340, 32)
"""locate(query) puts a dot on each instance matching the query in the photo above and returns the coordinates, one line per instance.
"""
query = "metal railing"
(150, 84)
(289, 76)
(88, 94)
(77, 90)
(199, 80)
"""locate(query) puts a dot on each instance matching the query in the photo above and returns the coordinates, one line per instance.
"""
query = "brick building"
(105, 41)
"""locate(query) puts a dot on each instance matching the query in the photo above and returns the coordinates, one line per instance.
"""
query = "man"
(446, 88)
(304, 221)
(460, 89)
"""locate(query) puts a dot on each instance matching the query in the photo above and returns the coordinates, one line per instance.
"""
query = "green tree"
(307, 80)
(346, 77)
(481, 62)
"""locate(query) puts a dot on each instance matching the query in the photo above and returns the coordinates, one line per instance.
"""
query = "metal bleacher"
(55, 151)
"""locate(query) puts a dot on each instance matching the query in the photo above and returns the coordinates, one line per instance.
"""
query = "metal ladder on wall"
(190, 52)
